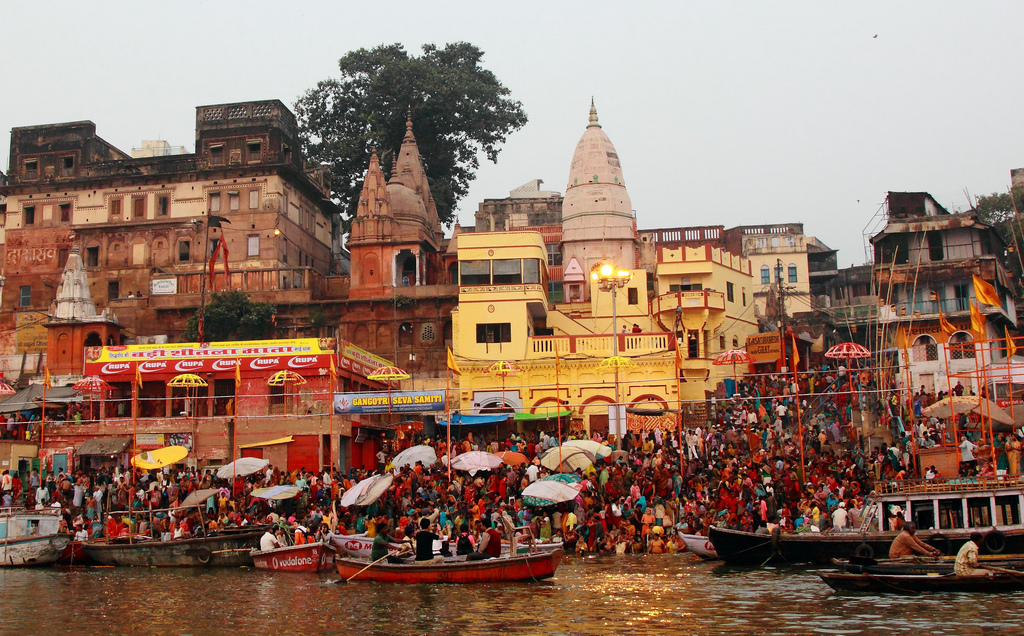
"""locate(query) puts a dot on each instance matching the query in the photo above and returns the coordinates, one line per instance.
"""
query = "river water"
(656, 594)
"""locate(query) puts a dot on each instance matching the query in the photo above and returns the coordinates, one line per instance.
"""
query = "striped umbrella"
(6, 389)
(389, 376)
(285, 376)
(733, 357)
(504, 369)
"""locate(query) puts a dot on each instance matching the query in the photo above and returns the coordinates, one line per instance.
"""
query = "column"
(417, 257)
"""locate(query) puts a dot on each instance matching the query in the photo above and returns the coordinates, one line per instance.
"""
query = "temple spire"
(593, 115)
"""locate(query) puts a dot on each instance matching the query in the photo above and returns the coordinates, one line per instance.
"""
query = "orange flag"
(138, 374)
(986, 293)
(46, 378)
(977, 321)
(947, 327)
(901, 338)
(238, 373)
(796, 353)
(452, 365)
(1011, 346)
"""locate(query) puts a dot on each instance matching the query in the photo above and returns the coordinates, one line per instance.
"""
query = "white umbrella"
(242, 467)
(409, 457)
(594, 448)
(353, 493)
(198, 498)
(572, 458)
(378, 485)
(276, 493)
(476, 460)
(554, 491)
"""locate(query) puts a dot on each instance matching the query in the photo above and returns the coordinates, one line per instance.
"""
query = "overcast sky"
(722, 113)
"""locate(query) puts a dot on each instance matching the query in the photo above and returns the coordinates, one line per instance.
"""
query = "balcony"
(280, 285)
(598, 345)
(704, 299)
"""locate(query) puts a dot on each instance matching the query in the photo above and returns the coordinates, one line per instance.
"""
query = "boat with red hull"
(308, 557)
(528, 567)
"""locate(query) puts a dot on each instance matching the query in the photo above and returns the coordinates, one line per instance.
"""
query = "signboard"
(30, 334)
(764, 347)
(256, 357)
(402, 402)
(360, 361)
(180, 439)
(147, 441)
(161, 286)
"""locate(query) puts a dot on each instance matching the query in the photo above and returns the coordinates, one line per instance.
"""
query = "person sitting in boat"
(966, 563)
(380, 547)
(269, 541)
(464, 541)
(906, 544)
(425, 539)
(489, 546)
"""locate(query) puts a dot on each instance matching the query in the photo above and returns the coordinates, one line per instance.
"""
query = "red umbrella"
(848, 351)
(6, 389)
(733, 357)
(93, 385)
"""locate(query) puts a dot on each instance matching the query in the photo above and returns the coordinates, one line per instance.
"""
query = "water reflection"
(664, 594)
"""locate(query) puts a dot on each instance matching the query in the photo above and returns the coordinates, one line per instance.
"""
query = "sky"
(725, 113)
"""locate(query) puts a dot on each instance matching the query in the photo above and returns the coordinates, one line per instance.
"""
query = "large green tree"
(230, 315)
(459, 109)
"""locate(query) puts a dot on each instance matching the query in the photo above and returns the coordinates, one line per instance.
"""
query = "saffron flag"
(238, 373)
(977, 321)
(796, 353)
(451, 363)
(138, 375)
(334, 370)
(901, 338)
(1011, 346)
(46, 378)
(986, 293)
(947, 327)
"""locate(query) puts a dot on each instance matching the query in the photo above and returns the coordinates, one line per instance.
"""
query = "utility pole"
(782, 311)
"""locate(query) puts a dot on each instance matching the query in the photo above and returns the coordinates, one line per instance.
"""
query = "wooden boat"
(916, 583)
(924, 565)
(73, 554)
(225, 549)
(945, 512)
(30, 537)
(699, 545)
(529, 567)
(309, 557)
(358, 546)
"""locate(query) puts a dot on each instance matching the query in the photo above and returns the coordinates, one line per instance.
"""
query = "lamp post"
(608, 278)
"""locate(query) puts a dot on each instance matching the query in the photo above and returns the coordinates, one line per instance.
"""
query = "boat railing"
(955, 484)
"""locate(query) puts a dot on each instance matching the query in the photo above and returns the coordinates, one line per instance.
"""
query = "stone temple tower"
(597, 217)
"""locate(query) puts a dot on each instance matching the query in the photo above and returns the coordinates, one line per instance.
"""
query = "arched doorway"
(405, 267)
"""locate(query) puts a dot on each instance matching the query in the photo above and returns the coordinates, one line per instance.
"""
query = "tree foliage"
(459, 109)
(1002, 211)
(230, 315)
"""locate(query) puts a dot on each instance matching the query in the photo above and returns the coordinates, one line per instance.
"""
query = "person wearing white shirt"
(967, 448)
(531, 472)
(839, 517)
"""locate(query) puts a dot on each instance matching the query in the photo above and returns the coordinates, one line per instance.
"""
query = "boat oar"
(1002, 570)
(389, 554)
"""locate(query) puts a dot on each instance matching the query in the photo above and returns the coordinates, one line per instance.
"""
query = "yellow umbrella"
(187, 381)
(388, 375)
(504, 369)
(616, 362)
(284, 377)
(152, 460)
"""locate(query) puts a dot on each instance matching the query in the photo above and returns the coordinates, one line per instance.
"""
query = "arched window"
(925, 349)
(766, 275)
(958, 348)
(792, 273)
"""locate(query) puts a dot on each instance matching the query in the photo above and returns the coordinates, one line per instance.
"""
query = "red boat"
(528, 567)
(309, 557)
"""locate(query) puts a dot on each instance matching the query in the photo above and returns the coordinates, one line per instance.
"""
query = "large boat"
(31, 537)
(699, 545)
(308, 557)
(946, 512)
(227, 548)
(358, 546)
(529, 567)
(917, 583)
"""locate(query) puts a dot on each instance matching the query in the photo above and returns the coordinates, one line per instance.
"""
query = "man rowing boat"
(906, 544)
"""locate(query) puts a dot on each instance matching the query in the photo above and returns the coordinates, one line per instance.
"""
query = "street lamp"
(608, 278)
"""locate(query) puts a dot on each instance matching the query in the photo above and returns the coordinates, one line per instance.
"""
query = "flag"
(334, 370)
(451, 363)
(1011, 346)
(238, 373)
(947, 327)
(46, 378)
(986, 293)
(901, 338)
(977, 321)
(138, 374)
(796, 353)
(679, 357)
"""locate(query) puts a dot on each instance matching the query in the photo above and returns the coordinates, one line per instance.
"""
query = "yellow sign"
(764, 347)
(30, 333)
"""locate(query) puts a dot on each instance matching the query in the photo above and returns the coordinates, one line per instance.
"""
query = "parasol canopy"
(423, 454)
(572, 459)
(276, 493)
(388, 375)
(367, 491)
(154, 459)
(198, 498)
(616, 362)
(732, 356)
(242, 467)
(596, 449)
(968, 404)
(91, 384)
(565, 478)
(549, 492)
(285, 376)
(505, 369)
(511, 458)
(187, 381)
(6, 389)
(848, 350)
(474, 461)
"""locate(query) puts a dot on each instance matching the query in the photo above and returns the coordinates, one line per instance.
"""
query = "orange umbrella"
(512, 459)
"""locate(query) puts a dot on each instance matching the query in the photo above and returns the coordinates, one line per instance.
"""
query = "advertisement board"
(764, 347)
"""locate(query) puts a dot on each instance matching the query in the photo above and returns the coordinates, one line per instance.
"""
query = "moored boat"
(925, 565)
(30, 537)
(225, 549)
(699, 545)
(529, 567)
(308, 557)
(916, 583)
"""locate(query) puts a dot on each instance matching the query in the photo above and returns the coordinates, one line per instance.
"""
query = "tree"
(230, 315)
(458, 109)
(1000, 210)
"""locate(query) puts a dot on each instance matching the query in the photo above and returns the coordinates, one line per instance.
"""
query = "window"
(67, 166)
(730, 292)
(113, 290)
(531, 270)
(25, 296)
(215, 202)
(92, 256)
(254, 199)
(935, 251)
(978, 512)
(775, 241)
(475, 272)
(633, 295)
(792, 273)
(217, 155)
(744, 294)
(65, 212)
(961, 297)
(766, 275)
(735, 342)
(30, 215)
(507, 271)
(213, 247)
(762, 243)
(721, 342)
(554, 255)
(922, 513)
(253, 245)
(184, 251)
(162, 204)
(138, 207)
(951, 514)
(31, 169)
(556, 291)
(254, 148)
(494, 332)
(232, 201)
(115, 207)
(1007, 510)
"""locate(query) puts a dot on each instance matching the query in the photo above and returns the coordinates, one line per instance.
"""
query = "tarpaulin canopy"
(198, 498)
(273, 442)
(242, 467)
(276, 493)
(30, 398)
(104, 446)
(474, 420)
(520, 417)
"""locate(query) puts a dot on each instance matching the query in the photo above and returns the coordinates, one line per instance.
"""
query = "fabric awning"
(273, 442)
(30, 398)
(474, 420)
(521, 417)
(104, 446)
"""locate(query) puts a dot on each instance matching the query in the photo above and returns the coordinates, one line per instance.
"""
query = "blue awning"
(474, 420)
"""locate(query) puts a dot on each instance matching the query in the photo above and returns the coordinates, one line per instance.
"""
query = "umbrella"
(152, 460)
(378, 485)
(596, 449)
(198, 498)
(617, 455)
(572, 458)
(549, 492)
(276, 493)
(242, 467)
(968, 404)
(616, 362)
(848, 350)
(187, 381)
(423, 454)
(388, 375)
(285, 376)
(565, 478)
(6, 389)
(476, 460)
(512, 459)
(353, 493)
(91, 384)
(733, 357)
(504, 369)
